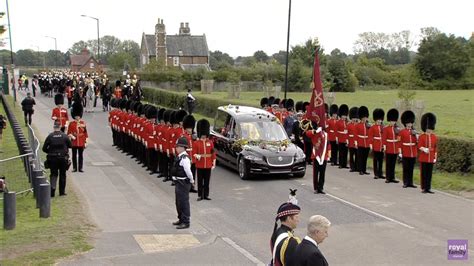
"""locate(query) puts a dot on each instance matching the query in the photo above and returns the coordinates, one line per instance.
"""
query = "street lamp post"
(287, 49)
(98, 38)
(11, 53)
(55, 50)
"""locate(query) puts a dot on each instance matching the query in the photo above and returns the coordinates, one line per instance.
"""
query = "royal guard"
(69, 93)
(391, 145)
(305, 125)
(150, 137)
(176, 132)
(408, 149)
(342, 136)
(375, 142)
(363, 143)
(60, 112)
(205, 158)
(159, 141)
(332, 133)
(320, 156)
(77, 132)
(268, 108)
(189, 122)
(127, 126)
(283, 243)
(352, 137)
(264, 103)
(118, 90)
(166, 134)
(428, 146)
(140, 130)
(111, 121)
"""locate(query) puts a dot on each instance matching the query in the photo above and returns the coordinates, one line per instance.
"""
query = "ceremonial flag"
(316, 111)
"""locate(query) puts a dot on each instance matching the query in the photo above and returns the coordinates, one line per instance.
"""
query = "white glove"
(426, 150)
(434, 161)
(197, 156)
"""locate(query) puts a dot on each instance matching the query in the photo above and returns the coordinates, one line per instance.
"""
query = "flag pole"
(287, 49)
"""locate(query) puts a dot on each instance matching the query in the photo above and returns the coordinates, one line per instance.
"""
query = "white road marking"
(372, 212)
(243, 251)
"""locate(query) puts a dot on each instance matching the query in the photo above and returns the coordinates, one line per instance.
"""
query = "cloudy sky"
(238, 27)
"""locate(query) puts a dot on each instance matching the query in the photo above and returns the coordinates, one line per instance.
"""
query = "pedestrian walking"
(57, 146)
(183, 178)
(27, 106)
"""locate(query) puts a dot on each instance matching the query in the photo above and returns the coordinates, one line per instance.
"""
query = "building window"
(176, 61)
(91, 65)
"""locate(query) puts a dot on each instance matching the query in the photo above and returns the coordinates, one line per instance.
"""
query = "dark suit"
(307, 254)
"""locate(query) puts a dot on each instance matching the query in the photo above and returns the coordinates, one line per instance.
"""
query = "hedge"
(455, 154)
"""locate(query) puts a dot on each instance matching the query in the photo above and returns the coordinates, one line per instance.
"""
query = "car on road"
(254, 142)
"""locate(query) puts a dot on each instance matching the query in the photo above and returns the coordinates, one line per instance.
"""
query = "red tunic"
(352, 134)
(362, 135)
(149, 135)
(77, 131)
(342, 136)
(189, 150)
(320, 150)
(118, 93)
(429, 141)
(407, 143)
(174, 134)
(60, 114)
(204, 148)
(166, 139)
(390, 140)
(159, 137)
(375, 137)
(332, 129)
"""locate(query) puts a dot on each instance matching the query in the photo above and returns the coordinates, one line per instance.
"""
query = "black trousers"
(353, 159)
(75, 161)
(390, 162)
(408, 166)
(362, 154)
(426, 175)
(319, 173)
(203, 179)
(58, 166)
(378, 163)
(334, 152)
(308, 149)
(69, 102)
(152, 159)
(28, 115)
(342, 155)
(181, 191)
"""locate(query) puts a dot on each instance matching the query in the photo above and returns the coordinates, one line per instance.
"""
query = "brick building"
(84, 62)
(181, 50)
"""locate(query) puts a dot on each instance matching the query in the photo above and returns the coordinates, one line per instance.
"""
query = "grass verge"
(37, 241)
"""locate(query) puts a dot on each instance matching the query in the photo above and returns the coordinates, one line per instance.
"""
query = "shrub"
(455, 155)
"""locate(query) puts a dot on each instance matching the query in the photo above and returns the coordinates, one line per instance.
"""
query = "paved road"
(373, 223)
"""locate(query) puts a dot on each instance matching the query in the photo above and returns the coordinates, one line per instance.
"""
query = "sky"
(237, 27)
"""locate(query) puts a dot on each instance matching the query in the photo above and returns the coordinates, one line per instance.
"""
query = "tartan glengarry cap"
(287, 209)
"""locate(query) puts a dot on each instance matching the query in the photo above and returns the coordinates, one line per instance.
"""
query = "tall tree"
(77, 47)
(118, 61)
(131, 47)
(280, 57)
(260, 56)
(218, 60)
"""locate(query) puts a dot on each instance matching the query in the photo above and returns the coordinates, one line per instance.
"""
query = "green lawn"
(37, 241)
(453, 108)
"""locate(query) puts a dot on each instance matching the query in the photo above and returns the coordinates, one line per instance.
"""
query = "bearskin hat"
(392, 115)
(128, 105)
(113, 102)
(118, 83)
(173, 119)
(122, 104)
(343, 110)
(333, 109)
(408, 117)
(59, 99)
(189, 122)
(264, 102)
(180, 114)
(140, 109)
(160, 114)
(276, 101)
(167, 116)
(151, 112)
(282, 103)
(203, 128)
(428, 121)
(271, 99)
(354, 112)
(289, 104)
(305, 105)
(363, 112)
(299, 106)
(378, 114)
(77, 109)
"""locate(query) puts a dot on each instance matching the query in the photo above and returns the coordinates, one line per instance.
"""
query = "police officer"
(183, 178)
(27, 106)
(57, 146)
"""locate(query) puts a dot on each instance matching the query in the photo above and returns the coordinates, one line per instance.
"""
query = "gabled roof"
(189, 45)
(79, 60)
(150, 43)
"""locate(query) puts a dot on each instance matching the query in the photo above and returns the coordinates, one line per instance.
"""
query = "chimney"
(160, 39)
(184, 29)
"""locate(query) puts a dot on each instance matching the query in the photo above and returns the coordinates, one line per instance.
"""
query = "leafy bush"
(455, 155)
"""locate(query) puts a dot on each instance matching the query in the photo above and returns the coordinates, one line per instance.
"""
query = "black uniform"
(27, 106)
(57, 146)
(182, 187)
(308, 254)
(290, 249)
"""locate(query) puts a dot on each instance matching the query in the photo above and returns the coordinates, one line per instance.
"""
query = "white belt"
(342, 132)
(379, 138)
(351, 136)
(392, 140)
(408, 144)
(179, 178)
(331, 130)
(363, 137)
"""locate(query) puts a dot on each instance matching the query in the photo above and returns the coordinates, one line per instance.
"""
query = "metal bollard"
(45, 200)
(36, 173)
(39, 180)
(9, 210)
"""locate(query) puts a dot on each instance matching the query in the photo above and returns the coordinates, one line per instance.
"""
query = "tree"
(342, 79)
(77, 47)
(260, 56)
(442, 57)
(299, 76)
(280, 57)
(219, 60)
(27, 57)
(5, 58)
(131, 47)
(55, 58)
(305, 53)
(117, 61)
(371, 41)
(109, 45)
